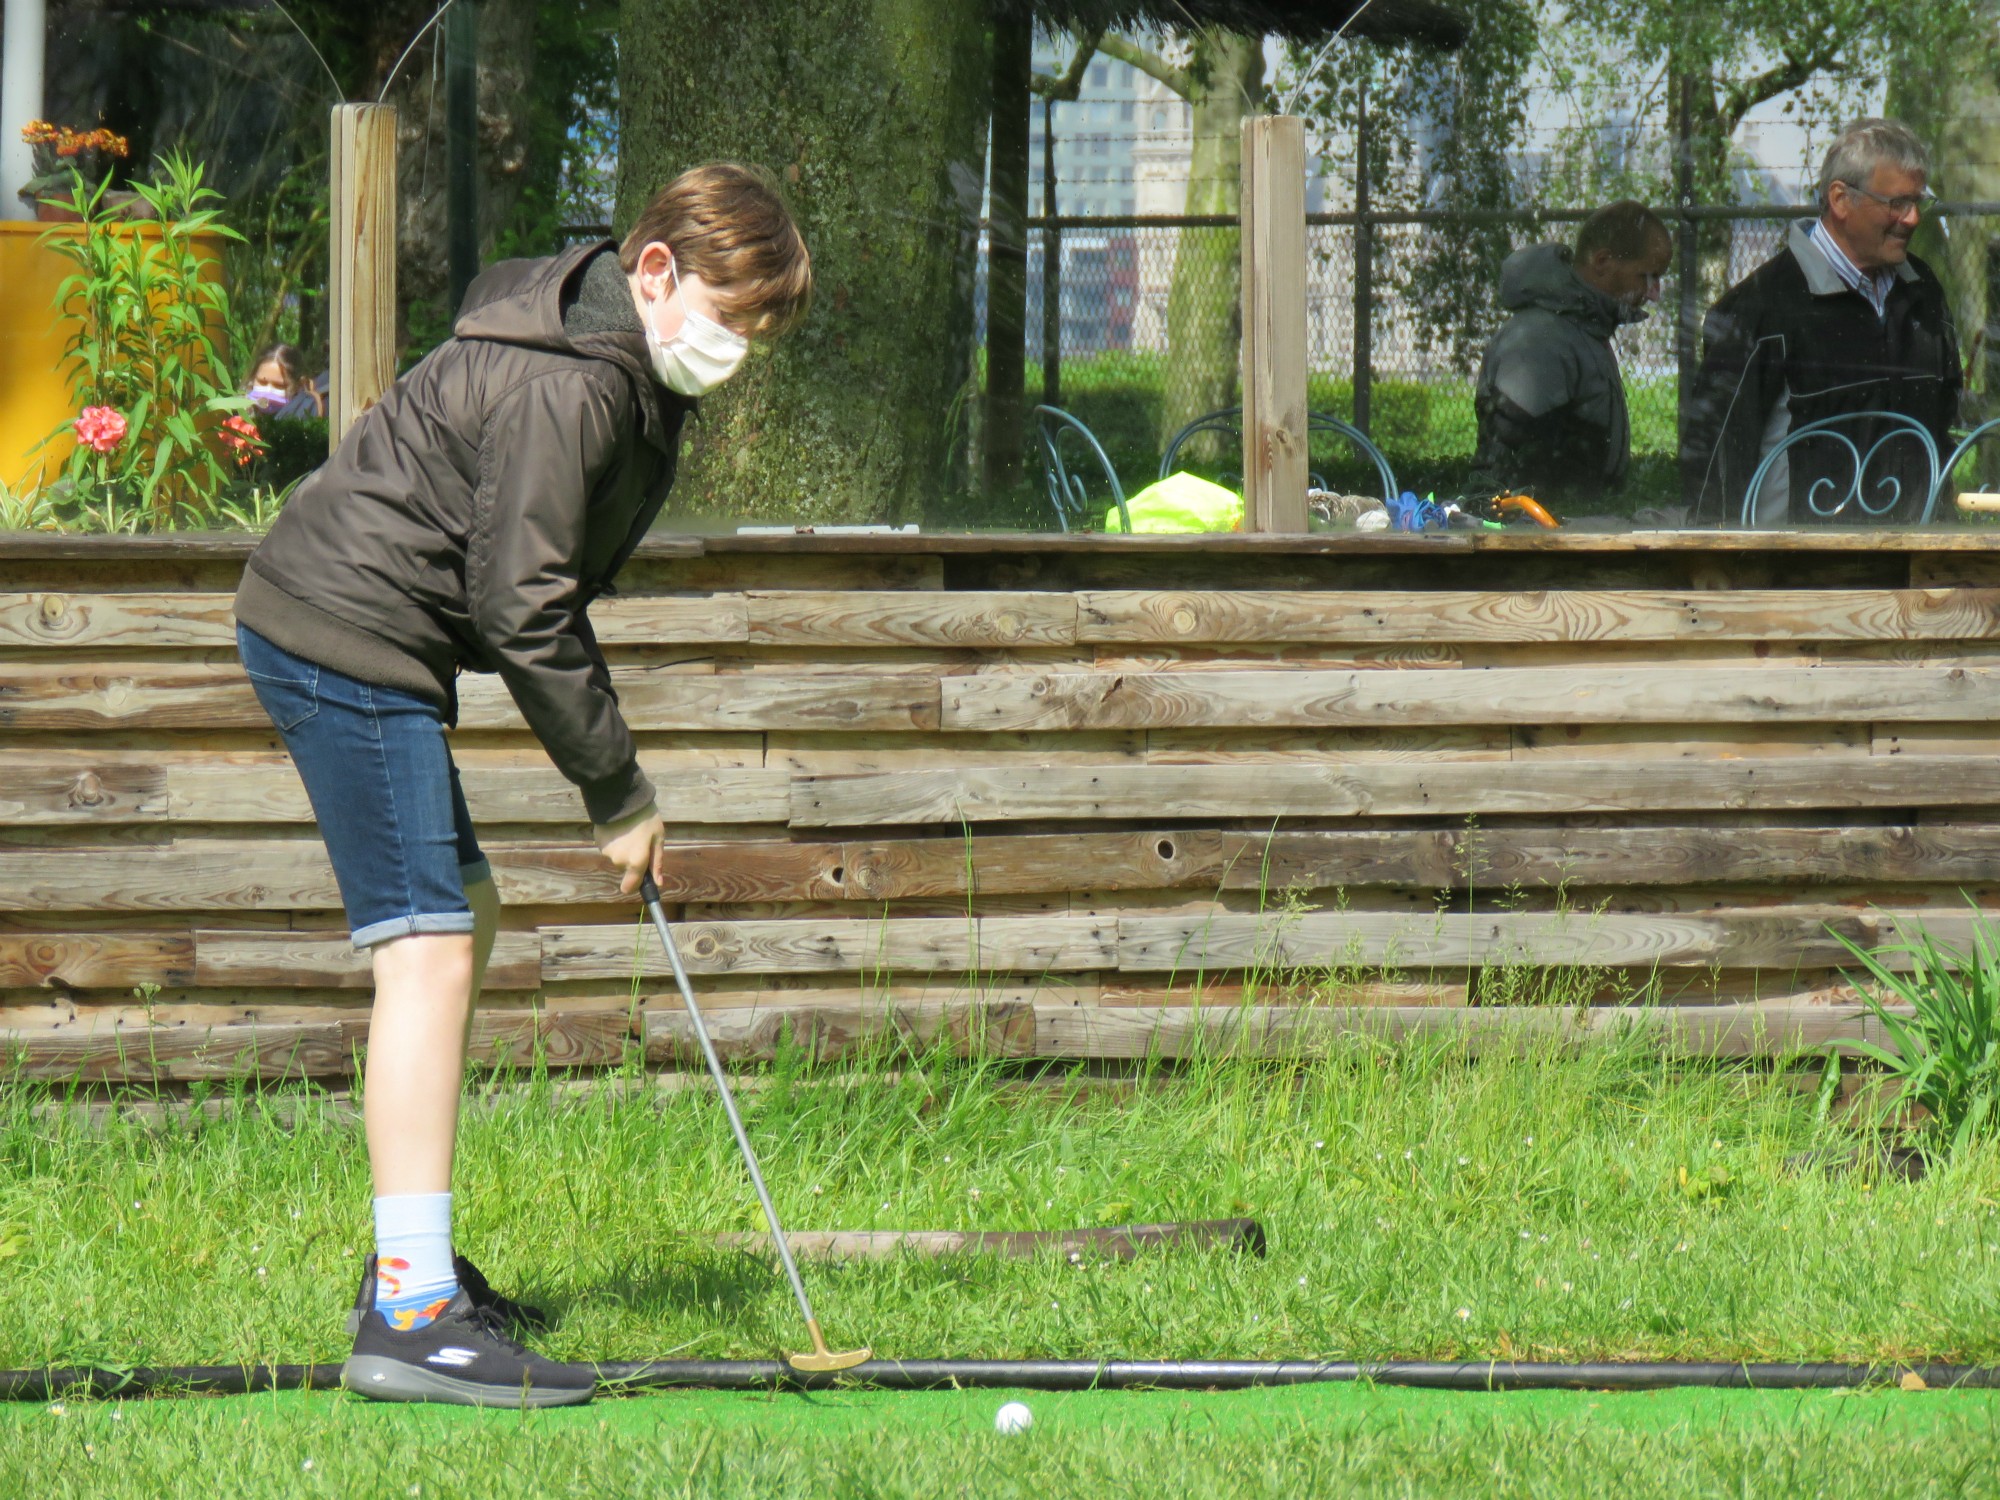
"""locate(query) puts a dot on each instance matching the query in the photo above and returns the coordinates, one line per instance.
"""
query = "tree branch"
(1775, 80)
(1149, 63)
(1070, 84)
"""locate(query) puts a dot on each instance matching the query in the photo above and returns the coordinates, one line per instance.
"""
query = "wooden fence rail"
(1095, 797)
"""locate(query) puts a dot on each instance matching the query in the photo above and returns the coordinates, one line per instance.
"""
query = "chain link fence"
(1114, 284)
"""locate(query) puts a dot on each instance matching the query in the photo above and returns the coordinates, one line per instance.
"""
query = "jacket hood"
(1545, 276)
(522, 301)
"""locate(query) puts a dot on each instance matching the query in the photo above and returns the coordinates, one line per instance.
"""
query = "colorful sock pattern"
(414, 1280)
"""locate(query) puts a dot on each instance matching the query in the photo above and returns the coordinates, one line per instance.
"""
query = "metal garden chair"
(1067, 490)
(1856, 497)
(1230, 422)
(1965, 445)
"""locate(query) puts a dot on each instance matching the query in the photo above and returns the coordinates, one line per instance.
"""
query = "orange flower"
(243, 438)
(100, 428)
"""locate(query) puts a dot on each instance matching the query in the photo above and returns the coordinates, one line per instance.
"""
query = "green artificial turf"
(1339, 1440)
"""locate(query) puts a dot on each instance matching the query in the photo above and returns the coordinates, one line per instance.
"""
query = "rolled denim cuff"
(395, 927)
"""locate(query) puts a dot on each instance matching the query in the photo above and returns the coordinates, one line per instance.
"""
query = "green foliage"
(1441, 130)
(1946, 1052)
(150, 305)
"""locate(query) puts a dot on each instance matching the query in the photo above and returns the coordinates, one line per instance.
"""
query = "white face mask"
(698, 358)
(270, 397)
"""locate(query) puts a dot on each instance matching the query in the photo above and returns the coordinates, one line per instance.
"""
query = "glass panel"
(1471, 157)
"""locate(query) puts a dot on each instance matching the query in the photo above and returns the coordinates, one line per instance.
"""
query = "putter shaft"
(651, 893)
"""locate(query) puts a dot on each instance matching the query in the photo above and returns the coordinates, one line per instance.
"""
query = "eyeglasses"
(1902, 205)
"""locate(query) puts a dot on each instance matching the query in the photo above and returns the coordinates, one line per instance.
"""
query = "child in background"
(279, 387)
(465, 523)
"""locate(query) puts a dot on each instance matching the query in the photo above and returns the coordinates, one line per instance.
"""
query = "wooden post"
(361, 321)
(1274, 323)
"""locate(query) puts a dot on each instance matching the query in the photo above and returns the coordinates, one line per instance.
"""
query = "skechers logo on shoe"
(452, 1356)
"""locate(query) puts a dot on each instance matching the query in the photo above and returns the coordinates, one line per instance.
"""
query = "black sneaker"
(518, 1316)
(462, 1357)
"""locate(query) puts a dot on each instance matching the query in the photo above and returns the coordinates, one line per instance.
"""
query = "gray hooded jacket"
(468, 520)
(1550, 400)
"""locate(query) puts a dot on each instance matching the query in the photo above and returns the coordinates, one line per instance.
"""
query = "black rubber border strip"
(1049, 1375)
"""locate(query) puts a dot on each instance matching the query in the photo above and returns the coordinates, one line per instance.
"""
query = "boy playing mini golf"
(465, 524)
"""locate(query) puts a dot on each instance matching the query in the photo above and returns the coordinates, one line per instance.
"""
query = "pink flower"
(101, 428)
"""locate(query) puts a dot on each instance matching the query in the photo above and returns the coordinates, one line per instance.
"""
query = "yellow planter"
(34, 386)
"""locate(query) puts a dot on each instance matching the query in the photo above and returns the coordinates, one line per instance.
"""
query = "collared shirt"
(1874, 285)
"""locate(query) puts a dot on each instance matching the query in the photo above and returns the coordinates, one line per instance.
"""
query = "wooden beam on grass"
(361, 322)
(1274, 323)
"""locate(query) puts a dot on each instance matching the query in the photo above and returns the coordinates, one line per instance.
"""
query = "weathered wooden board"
(195, 696)
(1000, 1028)
(811, 754)
(978, 795)
(327, 960)
(670, 620)
(244, 789)
(1557, 615)
(131, 692)
(180, 1054)
(39, 788)
(995, 620)
(1214, 747)
(1103, 1032)
(998, 945)
(561, 1037)
(1656, 695)
(94, 960)
(1752, 939)
(1324, 859)
(123, 621)
(238, 875)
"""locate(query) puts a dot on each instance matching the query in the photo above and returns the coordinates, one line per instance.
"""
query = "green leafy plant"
(1946, 1049)
(149, 377)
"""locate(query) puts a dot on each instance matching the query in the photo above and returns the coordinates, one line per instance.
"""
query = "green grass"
(1322, 1441)
(1419, 1204)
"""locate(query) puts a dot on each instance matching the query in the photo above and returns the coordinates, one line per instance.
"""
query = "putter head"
(824, 1361)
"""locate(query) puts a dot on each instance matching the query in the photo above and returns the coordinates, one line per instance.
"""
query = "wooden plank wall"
(1048, 796)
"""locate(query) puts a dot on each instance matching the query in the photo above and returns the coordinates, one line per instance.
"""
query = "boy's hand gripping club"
(821, 1359)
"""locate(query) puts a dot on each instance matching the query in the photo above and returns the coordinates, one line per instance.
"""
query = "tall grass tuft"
(1946, 1050)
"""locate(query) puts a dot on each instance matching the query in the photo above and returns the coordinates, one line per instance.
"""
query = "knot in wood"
(1184, 619)
(88, 791)
(54, 612)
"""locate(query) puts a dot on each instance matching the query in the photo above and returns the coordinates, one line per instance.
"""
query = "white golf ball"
(1013, 1418)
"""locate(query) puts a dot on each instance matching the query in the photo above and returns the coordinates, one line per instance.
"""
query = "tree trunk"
(1205, 299)
(1007, 252)
(505, 72)
(872, 112)
(1960, 118)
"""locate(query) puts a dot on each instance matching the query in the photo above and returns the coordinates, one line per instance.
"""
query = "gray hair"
(1866, 145)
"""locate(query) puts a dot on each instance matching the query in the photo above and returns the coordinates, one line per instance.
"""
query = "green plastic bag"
(1181, 502)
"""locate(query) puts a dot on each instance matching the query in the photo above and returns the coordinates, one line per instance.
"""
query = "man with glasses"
(1842, 323)
(1550, 400)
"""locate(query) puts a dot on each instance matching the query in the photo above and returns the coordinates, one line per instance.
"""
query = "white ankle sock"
(413, 1251)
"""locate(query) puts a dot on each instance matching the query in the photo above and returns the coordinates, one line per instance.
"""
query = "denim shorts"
(383, 787)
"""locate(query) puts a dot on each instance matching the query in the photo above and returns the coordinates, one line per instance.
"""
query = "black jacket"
(1550, 399)
(1792, 344)
(469, 519)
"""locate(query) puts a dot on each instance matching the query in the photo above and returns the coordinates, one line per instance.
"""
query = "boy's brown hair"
(727, 224)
